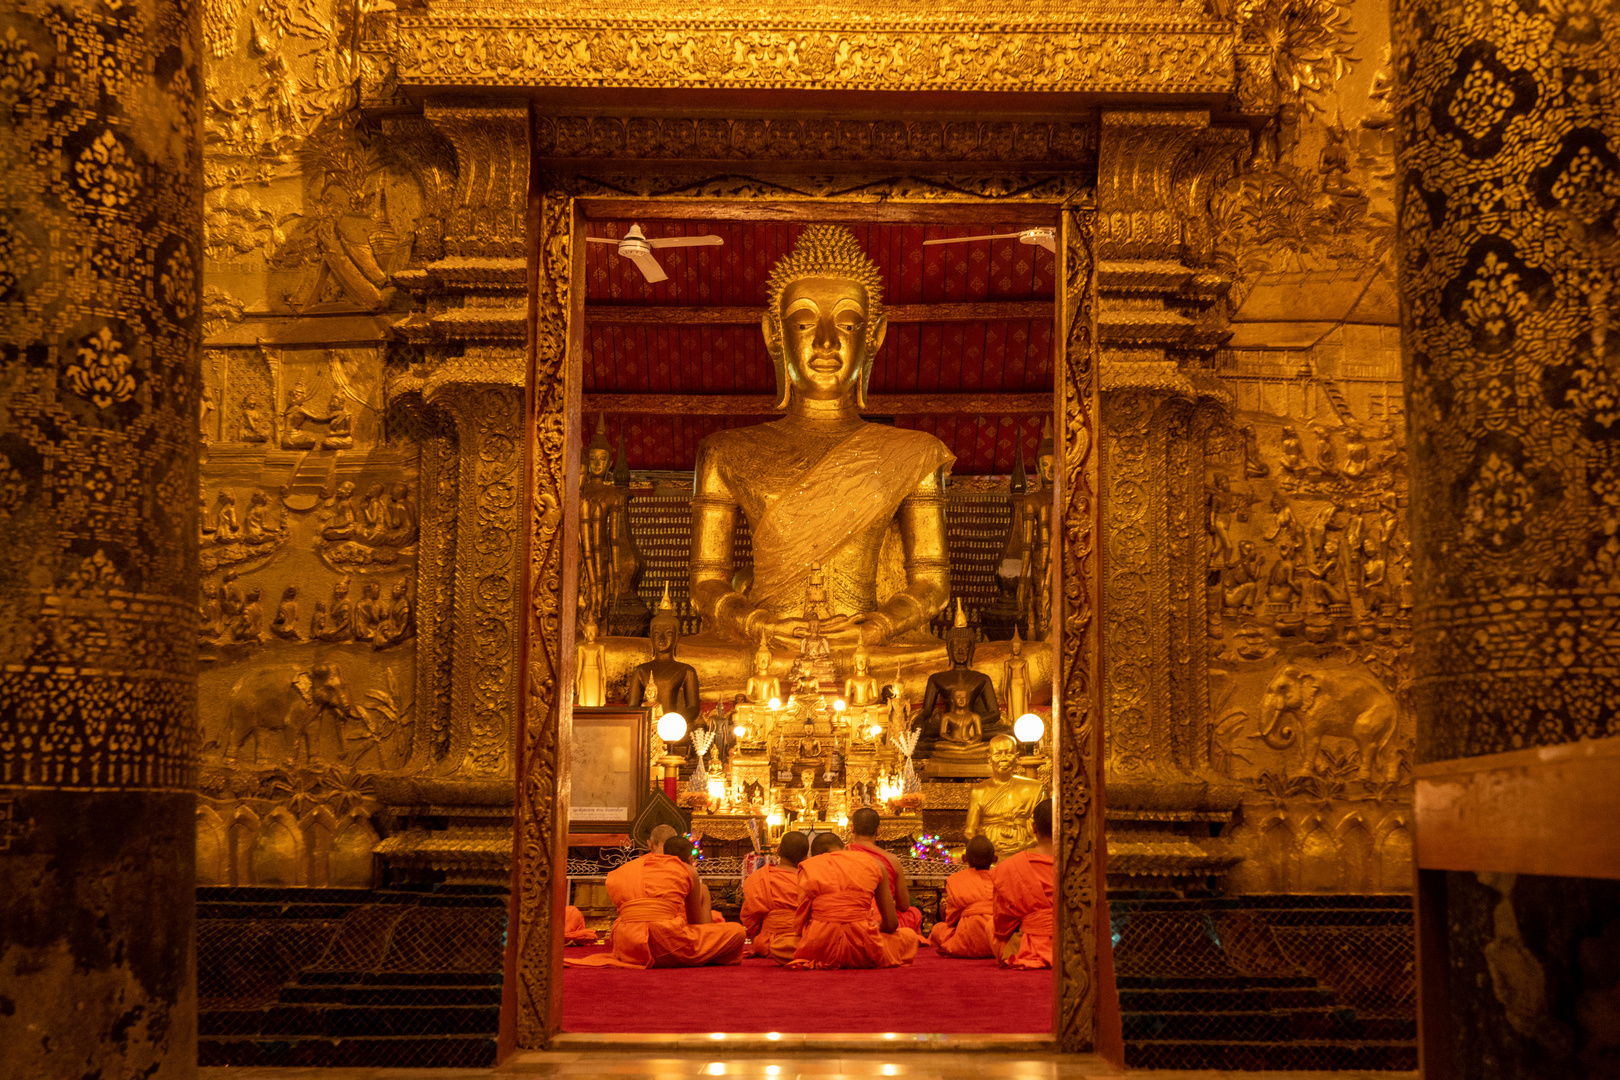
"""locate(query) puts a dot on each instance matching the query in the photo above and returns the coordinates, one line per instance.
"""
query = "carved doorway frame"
(560, 203)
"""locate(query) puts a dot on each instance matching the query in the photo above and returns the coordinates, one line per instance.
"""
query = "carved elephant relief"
(1304, 707)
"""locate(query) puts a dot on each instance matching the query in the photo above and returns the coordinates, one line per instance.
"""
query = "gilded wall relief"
(312, 502)
(1303, 501)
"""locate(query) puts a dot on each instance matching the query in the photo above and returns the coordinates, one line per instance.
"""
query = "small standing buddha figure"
(763, 687)
(1015, 680)
(590, 678)
(861, 688)
(961, 728)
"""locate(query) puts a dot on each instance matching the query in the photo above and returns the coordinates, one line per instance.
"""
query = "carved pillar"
(1508, 162)
(100, 376)
(1158, 323)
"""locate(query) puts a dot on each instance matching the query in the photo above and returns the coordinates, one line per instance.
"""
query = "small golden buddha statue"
(676, 682)
(999, 807)
(1015, 679)
(590, 669)
(762, 685)
(810, 748)
(961, 728)
(809, 805)
(861, 688)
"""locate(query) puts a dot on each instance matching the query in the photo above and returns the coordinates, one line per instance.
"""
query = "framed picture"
(608, 768)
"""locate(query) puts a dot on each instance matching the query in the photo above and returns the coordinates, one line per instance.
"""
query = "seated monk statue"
(575, 932)
(999, 807)
(863, 832)
(961, 727)
(966, 931)
(834, 921)
(1023, 899)
(771, 895)
(664, 916)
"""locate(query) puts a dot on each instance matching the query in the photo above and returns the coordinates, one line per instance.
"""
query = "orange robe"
(966, 931)
(911, 918)
(651, 930)
(770, 905)
(575, 932)
(1023, 907)
(837, 927)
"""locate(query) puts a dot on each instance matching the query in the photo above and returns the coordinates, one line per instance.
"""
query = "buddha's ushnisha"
(822, 487)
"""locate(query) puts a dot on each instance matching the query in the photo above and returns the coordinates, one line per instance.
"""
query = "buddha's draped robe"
(966, 931)
(837, 927)
(651, 930)
(575, 932)
(1023, 910)
(911, 918)
(770, 906)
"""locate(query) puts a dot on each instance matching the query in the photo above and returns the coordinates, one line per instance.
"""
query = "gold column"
(1508, 165)
(100, 375)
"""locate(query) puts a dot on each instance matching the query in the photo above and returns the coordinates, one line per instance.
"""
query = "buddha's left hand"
(866, 629)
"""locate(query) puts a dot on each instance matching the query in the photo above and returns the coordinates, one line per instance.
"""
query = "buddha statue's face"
(961, 647)
(664, 635)
(1017, 647)
(959, 698)
(596, 462)
(762, 663)
(1003, 757)
(860, 663)
(825, 337)
(1044, 463)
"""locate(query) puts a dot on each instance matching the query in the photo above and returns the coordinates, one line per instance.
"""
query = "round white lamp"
(1029, 728)
(774, 704)
(739, 731)
(839, 705)
(672, 729)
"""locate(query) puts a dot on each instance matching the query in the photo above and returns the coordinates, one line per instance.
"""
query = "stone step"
(389, 994)
(351, 1021)
(402, 1052)
(1311, 1055)
(1302, 1025)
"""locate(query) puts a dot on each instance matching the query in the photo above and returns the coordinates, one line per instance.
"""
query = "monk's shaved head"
(981, 853)
(794, 848)
(680, 847)
(1041, 818)
(825, 842)
(864, 823)
(656, 838)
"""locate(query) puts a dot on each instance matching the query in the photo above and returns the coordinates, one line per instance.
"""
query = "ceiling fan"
(1044, 238)
(638, 249)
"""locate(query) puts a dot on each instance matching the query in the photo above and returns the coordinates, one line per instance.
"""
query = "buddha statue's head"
(862, 661)
(959, 639)
(664, 630)
(1017, 643)
(598, 455)
(825, 320)
(762, 658)
(1046, 458)
(589, 630)
(1003, 757)
(959, 698)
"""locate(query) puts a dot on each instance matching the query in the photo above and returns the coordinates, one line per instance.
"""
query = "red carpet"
(934, 995)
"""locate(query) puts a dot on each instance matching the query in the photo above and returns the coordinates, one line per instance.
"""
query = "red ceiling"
(986, 356)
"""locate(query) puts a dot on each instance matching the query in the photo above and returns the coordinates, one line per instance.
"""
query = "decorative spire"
(600, 440)
(664, 604)
(621, 465)
(1046, 438)
(961, 619)
(1020, 478)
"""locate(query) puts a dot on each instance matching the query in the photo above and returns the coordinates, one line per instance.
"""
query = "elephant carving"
(307, 712)
(1305, 707)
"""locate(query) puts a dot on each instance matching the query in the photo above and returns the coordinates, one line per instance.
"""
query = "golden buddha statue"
(590, 669)
(961, 728)
(961, 675)
(999, 807)
(1015, 680)
(847, 518)
(822, 488)
(810, 748)
(861, 688)
(763, 687)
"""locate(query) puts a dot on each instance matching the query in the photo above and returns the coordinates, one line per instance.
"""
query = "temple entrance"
(652, 378)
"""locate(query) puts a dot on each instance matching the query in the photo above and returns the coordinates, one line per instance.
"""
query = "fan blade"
(687, 241)
(970, 239)
(649, 268)
(600, 240)
(1048, 243)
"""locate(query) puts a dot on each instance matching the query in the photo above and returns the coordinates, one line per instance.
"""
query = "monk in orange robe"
(835, 922)
(966, 932)
(575, 932)
(664, 918)
(771, 895)
(1023, 899)
(863, 831)
(682, 849)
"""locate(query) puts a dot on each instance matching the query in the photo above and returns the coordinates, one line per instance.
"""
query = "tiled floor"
(679, 1065)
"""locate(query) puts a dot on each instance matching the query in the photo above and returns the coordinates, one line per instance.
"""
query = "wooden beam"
(857, 208)
(764, 404)
(1548, 810)
(666, 315)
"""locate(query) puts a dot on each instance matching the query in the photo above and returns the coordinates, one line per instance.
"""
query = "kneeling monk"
(664, 917)
(575, 932)
(863, 832)
(771, 895)
(1024, 884)
(969, 901)
(836, 926)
